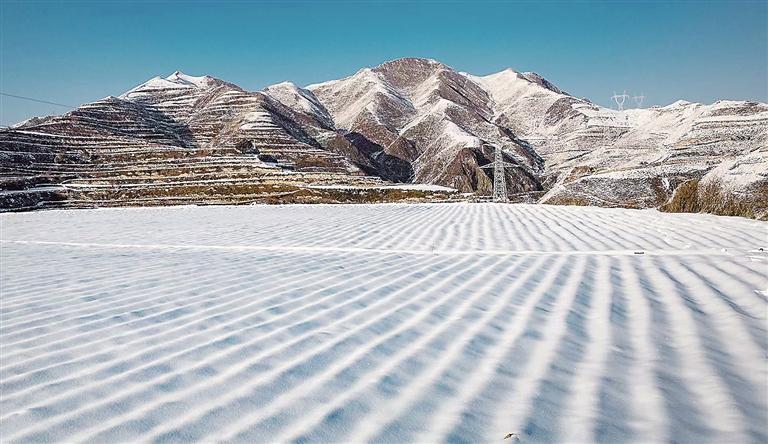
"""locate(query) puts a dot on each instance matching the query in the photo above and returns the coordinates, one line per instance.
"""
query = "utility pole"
(499, 178)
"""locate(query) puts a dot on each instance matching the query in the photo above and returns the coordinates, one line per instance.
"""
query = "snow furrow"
(382, 323)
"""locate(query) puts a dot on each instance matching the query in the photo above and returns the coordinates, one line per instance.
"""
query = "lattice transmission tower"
(639, 100)
(499, 179)
(620, 99)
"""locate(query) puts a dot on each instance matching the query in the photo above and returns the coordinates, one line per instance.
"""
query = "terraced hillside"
(184, 139)
(316, 323)
(180, 139)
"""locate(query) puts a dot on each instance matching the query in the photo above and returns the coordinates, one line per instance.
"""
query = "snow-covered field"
(384, 323)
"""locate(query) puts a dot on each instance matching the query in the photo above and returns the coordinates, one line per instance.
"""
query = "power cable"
(36, 100)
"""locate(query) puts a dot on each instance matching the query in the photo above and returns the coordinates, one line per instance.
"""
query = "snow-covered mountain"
(436, 120)
(568, 149)
(407, 120)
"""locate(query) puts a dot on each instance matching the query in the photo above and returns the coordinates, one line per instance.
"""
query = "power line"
(36, 100)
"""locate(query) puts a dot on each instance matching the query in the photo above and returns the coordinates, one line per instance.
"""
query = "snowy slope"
(431, 116)
(352, 324)
(520, 102)
(406, 120)
(169, 131)
(437, 119)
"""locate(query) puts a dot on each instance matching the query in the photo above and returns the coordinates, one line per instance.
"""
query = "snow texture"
(383, 323)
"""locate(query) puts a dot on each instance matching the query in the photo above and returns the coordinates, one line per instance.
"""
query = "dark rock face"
(393, 167)
(201, 139)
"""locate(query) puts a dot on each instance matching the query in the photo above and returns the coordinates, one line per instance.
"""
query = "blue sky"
(76, 52)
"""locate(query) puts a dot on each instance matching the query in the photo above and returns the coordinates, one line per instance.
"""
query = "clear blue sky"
(76, 52)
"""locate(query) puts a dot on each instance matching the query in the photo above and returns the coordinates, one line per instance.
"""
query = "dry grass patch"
(713, 197)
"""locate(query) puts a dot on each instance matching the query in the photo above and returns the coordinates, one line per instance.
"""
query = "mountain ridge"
(418, 120)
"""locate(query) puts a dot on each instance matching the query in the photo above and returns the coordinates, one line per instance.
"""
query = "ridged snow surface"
(387, 323)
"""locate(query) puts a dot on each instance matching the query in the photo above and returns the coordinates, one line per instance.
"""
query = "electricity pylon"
(639, 100)
(499, 179)
(619, 99)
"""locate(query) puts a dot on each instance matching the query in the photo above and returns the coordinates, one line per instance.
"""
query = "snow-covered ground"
(384, 323)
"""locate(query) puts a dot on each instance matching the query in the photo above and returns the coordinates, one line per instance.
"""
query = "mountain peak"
(299, 99)
(285, 84)
(409, 72)
(176, 81)
(411, 61)
(410, 64)
(197, 81)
